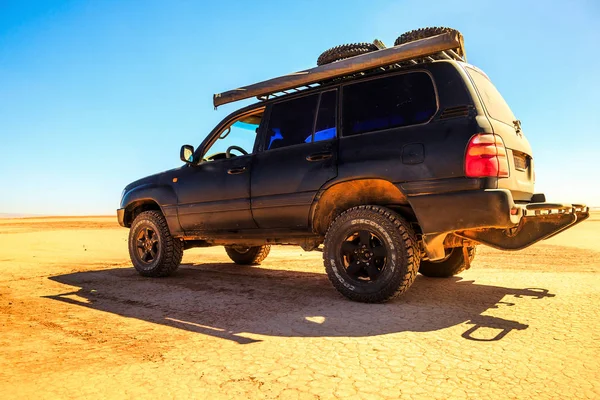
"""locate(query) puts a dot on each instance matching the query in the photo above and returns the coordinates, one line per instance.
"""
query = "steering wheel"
(238, 148)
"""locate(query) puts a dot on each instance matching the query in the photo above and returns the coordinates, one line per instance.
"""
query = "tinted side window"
(291, 122)
(389, 102)
(325, 127)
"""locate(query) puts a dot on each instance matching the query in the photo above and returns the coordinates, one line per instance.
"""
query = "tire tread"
(344, 51)
(172, 248)
(423, 33)
(409, 239)
(254, 256)
(454, 265)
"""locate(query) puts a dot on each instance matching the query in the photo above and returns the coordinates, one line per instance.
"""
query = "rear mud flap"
(531, 229)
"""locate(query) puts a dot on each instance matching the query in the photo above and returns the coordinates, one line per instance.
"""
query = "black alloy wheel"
(364, 255)
(371, 254)
(153, 250)
(147, 245)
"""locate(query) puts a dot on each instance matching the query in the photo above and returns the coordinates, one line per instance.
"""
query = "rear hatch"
(505, 124)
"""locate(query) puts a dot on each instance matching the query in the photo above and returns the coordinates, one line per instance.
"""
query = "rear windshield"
(492, 99)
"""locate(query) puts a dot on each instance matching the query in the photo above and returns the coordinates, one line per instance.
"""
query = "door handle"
(319, 156)
(235, 171)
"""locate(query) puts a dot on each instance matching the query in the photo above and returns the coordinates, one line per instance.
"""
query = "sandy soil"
(77, 321)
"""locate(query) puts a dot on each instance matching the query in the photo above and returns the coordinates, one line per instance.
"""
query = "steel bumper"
(492, 217)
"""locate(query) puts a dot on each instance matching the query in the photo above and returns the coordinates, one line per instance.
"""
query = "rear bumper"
(472, 209)
(121, 216)
(492, 217)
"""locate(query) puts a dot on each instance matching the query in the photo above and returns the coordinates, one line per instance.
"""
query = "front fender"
(161, 195)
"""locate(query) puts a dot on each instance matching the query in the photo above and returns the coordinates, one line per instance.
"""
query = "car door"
(214, 195)
(298, 155)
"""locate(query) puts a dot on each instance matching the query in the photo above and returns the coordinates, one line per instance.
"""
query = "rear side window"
(291, 122)
(493, 101)
(389, 102)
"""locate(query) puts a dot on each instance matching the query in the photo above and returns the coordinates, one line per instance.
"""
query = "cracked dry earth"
(77, 321)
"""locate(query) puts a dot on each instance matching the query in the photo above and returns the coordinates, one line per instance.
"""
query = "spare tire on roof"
(344, 51)
(423, 33)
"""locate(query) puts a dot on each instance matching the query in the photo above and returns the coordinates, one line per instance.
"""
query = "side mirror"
(186, 154)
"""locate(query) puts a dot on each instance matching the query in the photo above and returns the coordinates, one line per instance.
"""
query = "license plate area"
(521, 160)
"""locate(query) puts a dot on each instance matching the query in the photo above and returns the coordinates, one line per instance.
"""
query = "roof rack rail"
(433, 48)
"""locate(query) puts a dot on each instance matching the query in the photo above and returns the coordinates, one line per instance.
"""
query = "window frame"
(341, 102)
(336, 114)
(269, 111)
(213, 136)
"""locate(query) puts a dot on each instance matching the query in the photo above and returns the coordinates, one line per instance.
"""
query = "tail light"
(486, 157)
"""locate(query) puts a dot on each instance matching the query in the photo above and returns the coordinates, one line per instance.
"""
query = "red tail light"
(486, 157)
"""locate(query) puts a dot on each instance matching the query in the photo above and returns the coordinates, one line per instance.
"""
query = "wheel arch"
(134, 208)
(340, 196)
(152, 196)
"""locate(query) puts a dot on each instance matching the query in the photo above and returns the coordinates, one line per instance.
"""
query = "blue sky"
(95, 94)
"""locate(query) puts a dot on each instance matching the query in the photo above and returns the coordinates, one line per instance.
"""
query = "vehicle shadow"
(226, 300)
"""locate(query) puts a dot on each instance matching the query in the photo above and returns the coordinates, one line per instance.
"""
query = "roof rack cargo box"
(436, 47)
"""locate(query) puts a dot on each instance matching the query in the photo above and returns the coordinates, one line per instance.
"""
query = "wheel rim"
(147, 245)
(364, 256)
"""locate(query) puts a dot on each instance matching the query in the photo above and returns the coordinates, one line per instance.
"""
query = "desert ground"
(76, 321)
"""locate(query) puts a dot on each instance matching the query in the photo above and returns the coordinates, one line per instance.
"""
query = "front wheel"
(371, 254)
(153, 251)
(453, 264)
(243, 255)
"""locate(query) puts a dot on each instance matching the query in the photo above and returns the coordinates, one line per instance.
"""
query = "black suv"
(394, 172)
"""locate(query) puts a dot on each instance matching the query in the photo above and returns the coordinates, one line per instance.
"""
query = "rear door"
(504, 123)
(299, 155)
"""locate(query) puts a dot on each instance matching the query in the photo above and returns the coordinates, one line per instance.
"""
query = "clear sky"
(95, 94)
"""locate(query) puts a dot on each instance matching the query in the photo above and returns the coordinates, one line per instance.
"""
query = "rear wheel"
(453, 264)
(248, 255)
(370, 254)
(153, 251)
(344, 51)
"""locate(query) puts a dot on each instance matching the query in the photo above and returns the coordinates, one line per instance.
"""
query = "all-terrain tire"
(249, 255)
(453, 265)
(344, 51)
(423, 33)
(401, 254)
(153, 251)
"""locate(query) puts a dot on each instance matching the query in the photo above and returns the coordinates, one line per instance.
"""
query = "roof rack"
(445, 46)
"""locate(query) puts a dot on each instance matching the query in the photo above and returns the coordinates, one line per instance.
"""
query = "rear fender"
(344, 195)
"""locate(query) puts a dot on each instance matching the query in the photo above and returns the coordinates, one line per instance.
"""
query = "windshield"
(493, 101)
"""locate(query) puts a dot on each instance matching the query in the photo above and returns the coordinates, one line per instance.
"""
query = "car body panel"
(274, 195)
(211, 198)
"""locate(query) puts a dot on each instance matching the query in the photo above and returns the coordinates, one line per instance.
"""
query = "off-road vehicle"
(396, 161)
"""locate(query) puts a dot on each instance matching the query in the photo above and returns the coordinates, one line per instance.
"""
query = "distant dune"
(18, 215)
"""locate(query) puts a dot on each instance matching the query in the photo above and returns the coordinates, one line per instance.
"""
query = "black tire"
(153, 251)
(344, 51)
(248, 255)
(423, 33)
(371, 269)
(454, 264)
